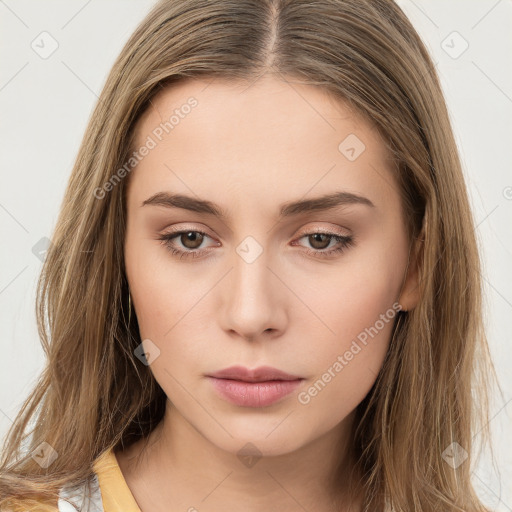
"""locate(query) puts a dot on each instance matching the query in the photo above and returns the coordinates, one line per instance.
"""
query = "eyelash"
(344, 243)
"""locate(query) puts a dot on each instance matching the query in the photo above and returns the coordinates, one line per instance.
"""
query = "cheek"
(357, 303)
(346, 365)
(355, 293)
(156, 294)
(169, 301)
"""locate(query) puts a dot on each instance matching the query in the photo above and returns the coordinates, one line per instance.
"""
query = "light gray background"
(45, 105)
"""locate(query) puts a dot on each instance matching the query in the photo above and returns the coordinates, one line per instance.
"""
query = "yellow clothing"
(115, 493)
(108, 490)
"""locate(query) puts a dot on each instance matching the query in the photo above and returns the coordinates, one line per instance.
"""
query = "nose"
(253, 300)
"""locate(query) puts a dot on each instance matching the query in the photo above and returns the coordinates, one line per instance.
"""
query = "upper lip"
(260, 374)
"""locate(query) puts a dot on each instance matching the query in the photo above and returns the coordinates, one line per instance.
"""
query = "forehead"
(271, 140)
(263, 106)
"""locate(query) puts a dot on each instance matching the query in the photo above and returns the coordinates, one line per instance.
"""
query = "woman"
(263, 287)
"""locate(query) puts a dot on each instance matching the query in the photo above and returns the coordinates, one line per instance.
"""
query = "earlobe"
(410, 293)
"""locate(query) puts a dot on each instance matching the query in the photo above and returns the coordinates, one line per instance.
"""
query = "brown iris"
(192, 237)
(315, 239)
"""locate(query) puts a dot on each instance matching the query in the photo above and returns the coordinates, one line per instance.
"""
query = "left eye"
(317, 240)
(191, 241)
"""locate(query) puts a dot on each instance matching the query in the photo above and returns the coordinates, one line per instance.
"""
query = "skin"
(250, 149)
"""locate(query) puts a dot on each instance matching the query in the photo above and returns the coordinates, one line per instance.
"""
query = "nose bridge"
(250, 274)
(251, 303)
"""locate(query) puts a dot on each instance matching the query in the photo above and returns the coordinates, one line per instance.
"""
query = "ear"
(410, 293)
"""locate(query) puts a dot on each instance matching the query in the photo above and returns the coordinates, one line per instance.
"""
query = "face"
(239, 274)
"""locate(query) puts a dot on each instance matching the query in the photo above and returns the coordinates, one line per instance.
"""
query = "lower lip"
(254, 394)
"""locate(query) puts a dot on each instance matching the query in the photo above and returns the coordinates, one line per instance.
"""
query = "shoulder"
(85, 497)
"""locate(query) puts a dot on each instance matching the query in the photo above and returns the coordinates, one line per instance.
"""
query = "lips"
(259, 387)
(260, 374)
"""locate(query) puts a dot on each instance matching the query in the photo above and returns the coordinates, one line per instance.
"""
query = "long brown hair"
(94, 395)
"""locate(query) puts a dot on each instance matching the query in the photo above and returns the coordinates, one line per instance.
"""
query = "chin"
(259, 438)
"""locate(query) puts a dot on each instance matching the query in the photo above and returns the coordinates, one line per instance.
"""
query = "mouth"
(260, 387)
(260, 374)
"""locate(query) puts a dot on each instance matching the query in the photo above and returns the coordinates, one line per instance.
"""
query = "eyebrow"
(289, 209)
